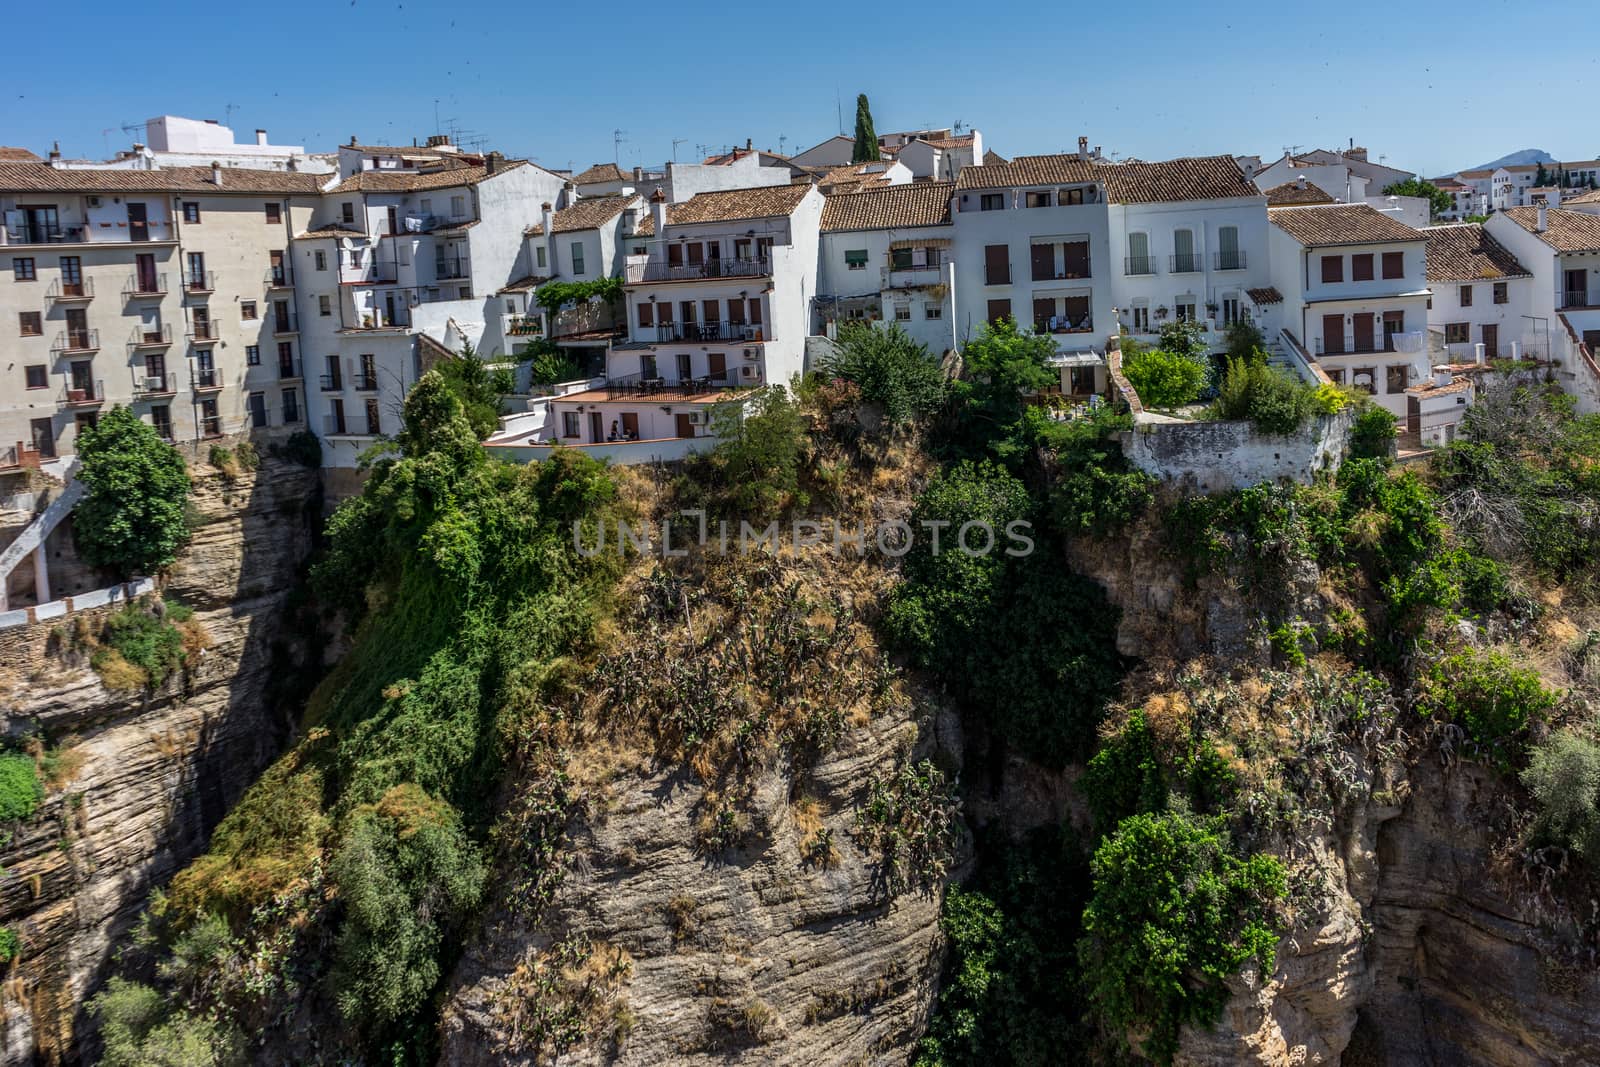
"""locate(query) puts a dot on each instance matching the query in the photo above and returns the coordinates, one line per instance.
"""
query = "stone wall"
(1214, 457)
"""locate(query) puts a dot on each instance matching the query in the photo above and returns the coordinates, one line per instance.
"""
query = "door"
(1413, 415)
(1364, 333)
(1043, 311)
(77, 327)
(44, 437)
(630, 425)
(1575, 290)
(394, 220)
(719, 366)
(709, 310)
(1075, 259)
(1394, 322)
(1491, 340)
(71, 276)
(83, 380)
(714, 259)
(683, 366)
(1333, 334)
(685, 427)
(996, 265)
(597, 428)
(145, 264)
(280, 276)
(150, 325)
(138, 223)
(258, 410)
(1042, 257)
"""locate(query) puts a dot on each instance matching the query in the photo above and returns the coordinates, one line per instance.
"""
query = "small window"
(856, 258)
(999, 309)
(247, 310)
(324, 306)
(1456, 333)
(569, 424)
(458, 206)
(22, 269)
(191, 211)
(992, 202)
(933, 311)
(577, 257)
(902, 312)
(252, 355)
(539, 255)
(1069, 197)
(1332, 269)
(1394, 264)
(1034, 199)
(31, 323)
(1396, 376)
(274, 213)
(38, 376)
(647, 315)
(1361, 267)
(1501, 293)
(348, 212)
(322, 259)
(1466, 296)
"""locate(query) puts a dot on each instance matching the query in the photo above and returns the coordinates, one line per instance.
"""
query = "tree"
(892, 370)
(866, 150)
(131, 517)
(761, 440)
(1439, 201)
(1164, 379)
(1001, 365)
(479, 389)
(1542, 177)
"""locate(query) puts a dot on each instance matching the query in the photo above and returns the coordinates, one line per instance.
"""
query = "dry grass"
(117, 673)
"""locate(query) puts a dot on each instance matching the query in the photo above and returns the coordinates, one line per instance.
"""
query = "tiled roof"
(402, 150)
(399, 181)
(948, 142)
(1566, 231)
(600, 172)
(334, 230)
(1264, 297)
(527, 283)
(1198, 178)
(1341, 224)
(17, 155)
(587, 214)
(1290, 193)
(892, 207)
(1479, 173)
(730, 205)
(1428, 388)
(991, 158)
(1551, 168)
(43, 178)
(1468, 253)
(1591, 197)
(852, 177)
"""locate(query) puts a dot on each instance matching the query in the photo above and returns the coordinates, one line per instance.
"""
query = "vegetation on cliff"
(131, 517)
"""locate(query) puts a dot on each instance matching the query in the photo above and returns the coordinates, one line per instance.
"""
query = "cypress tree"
(866, 150)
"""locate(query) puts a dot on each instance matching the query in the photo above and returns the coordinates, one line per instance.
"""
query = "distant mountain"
(1527, 155)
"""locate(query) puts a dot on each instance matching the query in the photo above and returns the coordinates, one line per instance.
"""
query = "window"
(191, 211)
(997, 264)
(1395, 378)
(1456, 333)
(31, 323)
(1037, 199)
(1394, 264)
(902, 313)
(1141, 318)
(464, 293)
(322, 259)
(252, 355)
(291, 407)
(1070, 197)
(373, 425)
(356, 256)
(1361, 267)
(1501, 293)
(1230, 310)
(71, 276)
(855, 258)
(539, 255)
(999, 309)
(1139, 261)
(347, 211)
(197, 270)
(1336, 375)
(647, 315)
(324, 306)
(577, 257)
(38, 376)
(247, 310)
(1228, 256)
(274, 212)
(932, 311)
(286, 359)
(992, 202)
(161, 421)
(1184, 258)
(458, 206)
(1365, 379)
(569, 424)
(1333, 269)
(22, 269)
(1183, 309)
(427, 206)
(1465, 296)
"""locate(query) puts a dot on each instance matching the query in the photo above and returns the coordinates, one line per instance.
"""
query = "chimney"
(570, 194)
(1543, 222)
(1300, 182)
(658, 212)
(353, 140)
(1441, 376)
(293, 164)
(638, 174)
(216, 174)
(495, 161)
(1083, 150)
(138, 149)
(1477, 353)
(55, 152)
(748, 144)
(1357, 152)
(544, 216)
(1097, 151)
(261, 137)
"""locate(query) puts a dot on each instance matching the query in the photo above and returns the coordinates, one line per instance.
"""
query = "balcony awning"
(1077, 359)
(921, 242)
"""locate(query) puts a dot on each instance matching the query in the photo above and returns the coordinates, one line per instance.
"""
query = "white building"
(174, 141)
(1481, 296)
(1511, 186)
(888, 257)
(836, 151)
(1354, 295)
(941, 158)
(1561, 248)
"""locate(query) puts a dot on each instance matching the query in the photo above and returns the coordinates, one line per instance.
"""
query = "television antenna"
(958, 127)
(781, 139)
(617, 137)
(227, 113)
(676, 141)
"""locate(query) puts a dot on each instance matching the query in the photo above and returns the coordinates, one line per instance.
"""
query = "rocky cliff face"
(148, 774)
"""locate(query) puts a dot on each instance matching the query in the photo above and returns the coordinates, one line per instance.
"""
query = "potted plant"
(1161, 312)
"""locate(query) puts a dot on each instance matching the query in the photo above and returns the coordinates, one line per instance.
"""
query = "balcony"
(1185, 263)
(1345, 346)
(1133, 266)
(64, 292)
(638, 385)
(366, 382)
(202, 331)
(450, 268)
(279, 278)
(73, 342)
(332, 383)
(45, 234)
(158, 336)
(1233, 260)
(700, 332)
(84, 392)
(201, 283)
(285, 324)
(154, 385)
(659, 271)
(1574, 300)
(137, 288)
(333, 425)
(912, 277)
(997, 274)
(289, 370)
(19, 456)
(211, 426)
(524, 326)
(205, 379)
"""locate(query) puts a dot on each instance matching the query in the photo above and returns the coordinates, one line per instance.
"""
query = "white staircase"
(31, 540)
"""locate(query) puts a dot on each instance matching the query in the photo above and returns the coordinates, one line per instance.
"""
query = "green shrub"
(249, 458)
(1164, 379)
(10, 945)
(1174, 914)
(1125, 776)
(1274, 400)
(1101, 499)
(1001, 366)
(761, 442)
(892, 370)
(1563, 774)
(1372, 433)
(151, 644)
(223, 459)
(131, 516)
(552, 365)
(479, 389)
(302, 447)
(139, 1027)
(20, 789)
(1489, 697)
(1243, 339)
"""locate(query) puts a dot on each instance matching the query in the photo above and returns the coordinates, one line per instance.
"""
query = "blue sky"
(1149, 78)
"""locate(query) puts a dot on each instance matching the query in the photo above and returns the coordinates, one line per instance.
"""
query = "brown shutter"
(1076, 259)
(1043, 309)
(997, 264)
(1333, 269)
(1332, 333)
(1043, 258)
(647, 314)
(1394, 264)
(674, 255)
(999, 309)
(1361, 267)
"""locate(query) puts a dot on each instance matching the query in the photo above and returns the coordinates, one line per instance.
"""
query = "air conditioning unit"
(153, 383)
(751, 372)
(749, 353)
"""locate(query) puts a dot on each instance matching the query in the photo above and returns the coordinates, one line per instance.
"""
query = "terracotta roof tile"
(1566, 231)
(399, 181)
(893, 207)
(1591, 197)
(1028, 170)
(1341, 224)
(1199, 178)
(334, 230)
(991, 158)
(1468, 253)
(44, 178)
(17, 155)
(525, 284)
(600, 172)
(1290, 194)
(587, 214)
(948, 142)
(1457, 384)
(730, 205)
(1264, 297)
